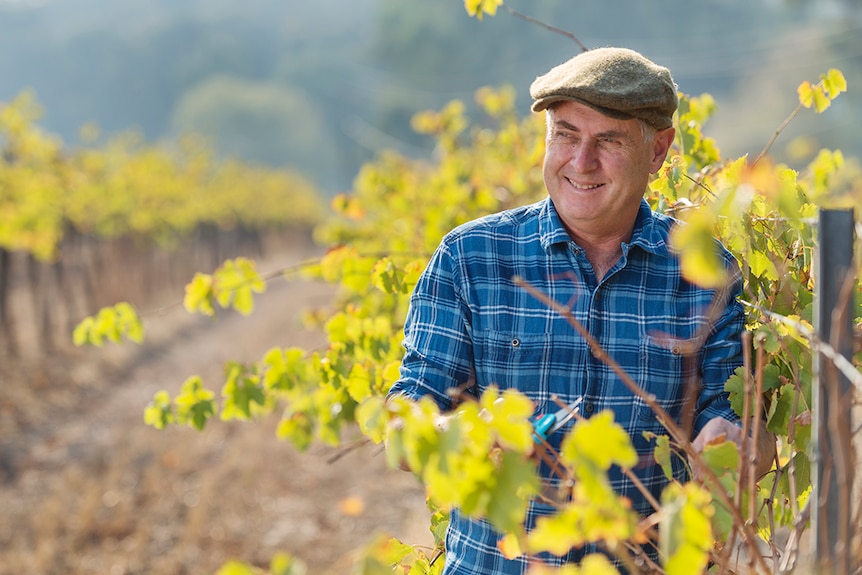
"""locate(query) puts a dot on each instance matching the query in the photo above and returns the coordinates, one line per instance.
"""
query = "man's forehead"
(579, 118)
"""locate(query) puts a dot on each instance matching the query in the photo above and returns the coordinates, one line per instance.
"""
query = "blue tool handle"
(542, 425)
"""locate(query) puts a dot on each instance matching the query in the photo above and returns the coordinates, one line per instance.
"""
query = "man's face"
(596, 168)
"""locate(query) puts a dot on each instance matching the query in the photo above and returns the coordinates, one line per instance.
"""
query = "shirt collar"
(649, 231)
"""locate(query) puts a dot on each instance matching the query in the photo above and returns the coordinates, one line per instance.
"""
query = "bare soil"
(87, 487)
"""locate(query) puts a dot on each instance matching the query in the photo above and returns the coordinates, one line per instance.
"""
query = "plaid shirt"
(469, 324)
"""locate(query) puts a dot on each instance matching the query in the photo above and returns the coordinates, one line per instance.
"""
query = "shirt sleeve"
(722, 355)
(438, 346)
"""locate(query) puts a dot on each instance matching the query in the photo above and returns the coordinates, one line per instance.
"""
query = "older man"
(592, 243)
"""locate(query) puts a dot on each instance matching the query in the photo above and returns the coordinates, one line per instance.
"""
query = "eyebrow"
(615, 134)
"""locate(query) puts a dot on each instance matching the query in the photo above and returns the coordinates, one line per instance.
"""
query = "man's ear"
(661, 145)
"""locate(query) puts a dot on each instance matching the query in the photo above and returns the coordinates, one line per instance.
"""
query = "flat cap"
(617, 82)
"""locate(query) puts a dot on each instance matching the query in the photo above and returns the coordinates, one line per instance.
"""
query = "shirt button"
(675, 350)
(589, 408)
(516, 342)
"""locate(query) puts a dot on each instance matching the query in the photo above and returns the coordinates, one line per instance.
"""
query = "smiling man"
(593, 244)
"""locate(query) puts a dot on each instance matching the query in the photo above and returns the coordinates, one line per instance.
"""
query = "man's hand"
(719, 429)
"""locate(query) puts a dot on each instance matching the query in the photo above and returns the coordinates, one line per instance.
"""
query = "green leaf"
(234, 282)
(333, 261)
(373, 418)
(802, 476)
(721, 457)
(386, 277)
(383, 556)
(663, 455)
(439, 524)
(297, 428)
(285, 369)
(781, 409)
(771, 377)
(516, 482)
(240, 391)
(159, 412)
(111, 323)
(762, 266)
(194, 404)
(359, 383)
(735, 387)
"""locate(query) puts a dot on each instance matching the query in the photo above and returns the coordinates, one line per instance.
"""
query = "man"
(593, 244)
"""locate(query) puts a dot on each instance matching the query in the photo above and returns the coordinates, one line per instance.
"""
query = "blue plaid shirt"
(469, 324)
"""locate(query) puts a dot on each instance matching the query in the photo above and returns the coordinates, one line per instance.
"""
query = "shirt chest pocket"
(667, 366)
(536, 364)
(512, 360)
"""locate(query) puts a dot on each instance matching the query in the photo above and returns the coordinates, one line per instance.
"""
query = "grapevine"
(481, 457)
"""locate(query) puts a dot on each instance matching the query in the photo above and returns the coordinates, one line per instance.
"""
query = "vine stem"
(843, 365)
(777, 132)
(666, 421)
(554, 29)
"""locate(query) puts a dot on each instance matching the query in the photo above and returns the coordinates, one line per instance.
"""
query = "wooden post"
(832, 394)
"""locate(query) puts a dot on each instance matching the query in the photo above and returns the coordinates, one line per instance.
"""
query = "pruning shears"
(545, 425)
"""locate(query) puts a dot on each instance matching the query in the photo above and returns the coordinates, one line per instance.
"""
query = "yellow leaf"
(510, 415)
(234, 567)
(686, 529)
(762, 265)
(199, 295)
(331, 264)
(556, 533)
(821, 100)
(352, 506)
(509, 546)
(479, 8)
(694, 243)
(597, 565)
(601, 441)
(806, 93)
(359, 383)
(81, 335)
(834, 82)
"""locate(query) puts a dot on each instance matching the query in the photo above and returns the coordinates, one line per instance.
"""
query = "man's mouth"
(578, 186)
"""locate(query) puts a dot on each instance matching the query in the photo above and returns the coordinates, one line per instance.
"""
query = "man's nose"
(584, 157)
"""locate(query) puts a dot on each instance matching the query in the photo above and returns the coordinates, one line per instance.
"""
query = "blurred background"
(299, 94)
(324, 85)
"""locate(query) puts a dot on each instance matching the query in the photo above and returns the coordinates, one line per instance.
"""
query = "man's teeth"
(580, 187)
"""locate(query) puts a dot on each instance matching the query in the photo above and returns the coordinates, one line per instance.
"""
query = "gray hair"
(647, 131)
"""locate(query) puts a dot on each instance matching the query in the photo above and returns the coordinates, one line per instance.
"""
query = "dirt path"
(86, 487)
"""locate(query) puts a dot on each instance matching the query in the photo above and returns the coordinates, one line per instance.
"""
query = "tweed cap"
(617, 82)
